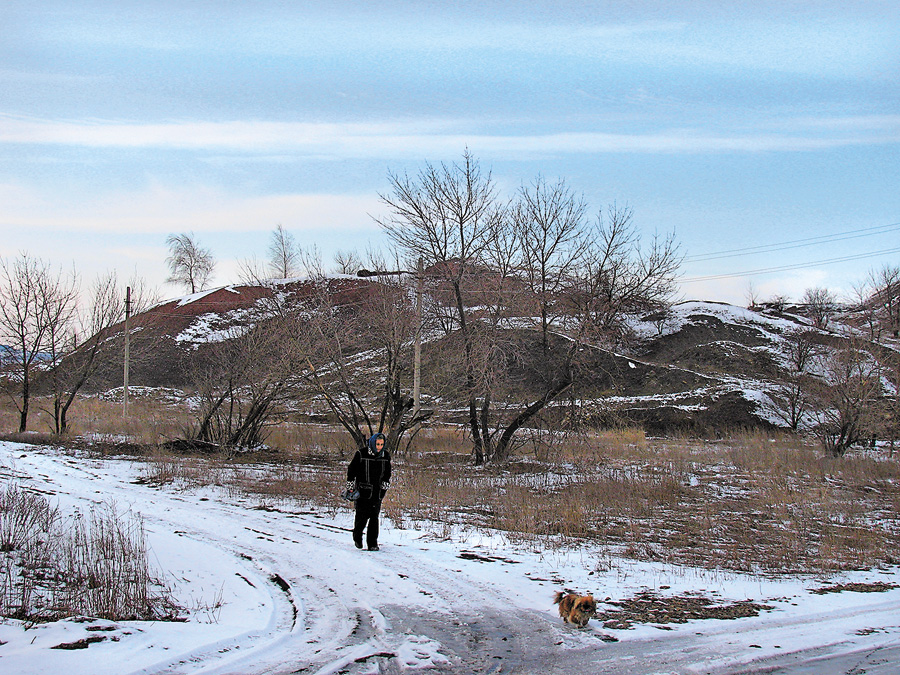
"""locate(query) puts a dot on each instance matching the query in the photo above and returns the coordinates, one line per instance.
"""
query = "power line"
(785, 268)
(795, 243)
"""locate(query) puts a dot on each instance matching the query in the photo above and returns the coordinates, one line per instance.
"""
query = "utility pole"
(419, 274)
(127, 340)
(417, 358)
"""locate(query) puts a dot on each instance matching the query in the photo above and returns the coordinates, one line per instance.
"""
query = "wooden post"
(127, 341)
(417, 359)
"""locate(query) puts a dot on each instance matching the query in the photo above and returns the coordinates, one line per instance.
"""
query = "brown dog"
(576, 609)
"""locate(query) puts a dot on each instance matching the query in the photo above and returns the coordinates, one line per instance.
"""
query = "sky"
(764, 135)
(272, 585)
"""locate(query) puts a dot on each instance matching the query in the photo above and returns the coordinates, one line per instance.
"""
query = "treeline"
(516, 295)
(512, 292)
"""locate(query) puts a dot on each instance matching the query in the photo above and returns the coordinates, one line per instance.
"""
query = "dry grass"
(52, 566)
(751, 502)
(185, 472)
(149, 422)
(311, 442)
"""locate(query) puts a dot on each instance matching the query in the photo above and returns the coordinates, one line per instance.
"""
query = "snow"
(680, 314)
(212, 327)
(194, 297)
(277, 587)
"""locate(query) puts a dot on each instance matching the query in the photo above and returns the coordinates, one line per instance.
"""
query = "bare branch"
(189, 263)
(284, 254)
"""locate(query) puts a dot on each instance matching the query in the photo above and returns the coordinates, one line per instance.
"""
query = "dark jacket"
(371, 470)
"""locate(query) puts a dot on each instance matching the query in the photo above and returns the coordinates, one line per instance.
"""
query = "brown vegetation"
(54, 565)
(750, 502)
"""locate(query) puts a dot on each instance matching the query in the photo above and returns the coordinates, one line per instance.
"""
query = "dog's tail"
(559, 596)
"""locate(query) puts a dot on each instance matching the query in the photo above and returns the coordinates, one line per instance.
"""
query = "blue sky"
(736, 125)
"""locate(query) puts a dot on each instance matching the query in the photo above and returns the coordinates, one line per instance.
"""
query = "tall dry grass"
(750, 502)
(95, 564)
(149, 422)
(753, 501)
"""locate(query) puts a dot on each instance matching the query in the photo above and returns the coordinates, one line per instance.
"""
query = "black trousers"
(367, 510)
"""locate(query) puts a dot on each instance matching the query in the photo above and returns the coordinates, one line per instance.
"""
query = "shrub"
(94, 565)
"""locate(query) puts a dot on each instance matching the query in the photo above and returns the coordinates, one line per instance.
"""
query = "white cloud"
(428, 137)
(733, 291)
(681, 37)
(125, 232)
(792, 285)
(164, 209)
(848, 122)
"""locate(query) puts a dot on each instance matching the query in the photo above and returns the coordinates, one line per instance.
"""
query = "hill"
(169, 336)
(700, 367)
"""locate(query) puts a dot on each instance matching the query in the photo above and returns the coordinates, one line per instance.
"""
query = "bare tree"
(355, 346)
(62, 334)
(550, 228)
(35, 306)
(241, 382)
(92, 336)
(891, 418)
(801, 349)
(347, 262)
(793, 399)
(448, 216)
(866, 308)
(189, 263)
(852, 385)
(752, 295)
(252, 272)
(663, 319)
(821, 304)
(778, 303)
(311, 262)
(620, 275)
(531, 260)
(345, 342)
(490, 260)
(885, 285)
(284, 255)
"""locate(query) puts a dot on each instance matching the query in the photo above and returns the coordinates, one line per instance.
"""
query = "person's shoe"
(373, 547)
(358, 543)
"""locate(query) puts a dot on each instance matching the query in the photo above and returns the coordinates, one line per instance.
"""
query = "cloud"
(876, 123)
(163, 209)
(432, 137)
(828, 41)
(792, 286)
(126, 231)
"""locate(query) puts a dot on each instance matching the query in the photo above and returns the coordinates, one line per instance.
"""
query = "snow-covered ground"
(279, 588)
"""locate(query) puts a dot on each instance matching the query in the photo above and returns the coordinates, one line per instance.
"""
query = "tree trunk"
(502, 449)
(478, 448)
(26, 395)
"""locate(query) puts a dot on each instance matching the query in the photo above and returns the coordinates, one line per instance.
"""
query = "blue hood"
(372, 440)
